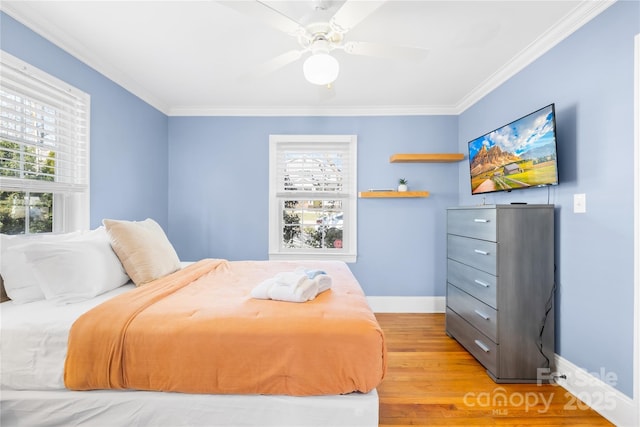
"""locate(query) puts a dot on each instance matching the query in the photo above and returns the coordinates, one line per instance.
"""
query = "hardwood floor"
(431, 380)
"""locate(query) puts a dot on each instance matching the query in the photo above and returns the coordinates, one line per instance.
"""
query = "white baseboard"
(407, 304)
(596, 390)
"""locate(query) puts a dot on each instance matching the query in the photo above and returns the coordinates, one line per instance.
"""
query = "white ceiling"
(193, 57)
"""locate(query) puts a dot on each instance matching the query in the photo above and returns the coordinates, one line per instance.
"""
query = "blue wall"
(128, 137)
(589, 76)
(218, 193)
(216, 172)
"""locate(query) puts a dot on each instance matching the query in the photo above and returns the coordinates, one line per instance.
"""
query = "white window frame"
(348, 196)
(70, 141)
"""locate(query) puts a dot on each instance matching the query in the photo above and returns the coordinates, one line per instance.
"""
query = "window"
(312, 197)
(44, 152)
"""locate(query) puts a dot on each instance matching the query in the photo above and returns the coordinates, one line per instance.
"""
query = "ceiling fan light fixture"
(321, 68)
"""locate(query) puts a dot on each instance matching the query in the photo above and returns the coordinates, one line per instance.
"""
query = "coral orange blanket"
(199, 331)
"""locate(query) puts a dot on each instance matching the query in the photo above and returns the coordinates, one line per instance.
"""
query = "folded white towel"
(304, 292)
(262, 290)
(293, 279)
(324, 282)
(298, 286)
(308, 290)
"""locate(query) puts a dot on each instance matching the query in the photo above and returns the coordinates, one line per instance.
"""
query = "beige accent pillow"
(143, 249)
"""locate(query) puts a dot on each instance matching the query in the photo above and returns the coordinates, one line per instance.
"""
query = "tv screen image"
(521, 154)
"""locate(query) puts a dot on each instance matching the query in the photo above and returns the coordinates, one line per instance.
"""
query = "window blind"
(304, 171)
(44, 131)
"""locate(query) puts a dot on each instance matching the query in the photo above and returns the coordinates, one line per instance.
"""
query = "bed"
(37, 340)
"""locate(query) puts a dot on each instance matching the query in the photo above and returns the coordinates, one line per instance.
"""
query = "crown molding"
(75, 48)
(578, 17)
(305, 110)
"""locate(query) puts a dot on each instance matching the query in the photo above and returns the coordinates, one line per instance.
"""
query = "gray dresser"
(500, 283)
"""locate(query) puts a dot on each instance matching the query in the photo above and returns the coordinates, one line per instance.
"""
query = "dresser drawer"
(473, 252)
(481, 347)
(477, 283)
(474, 311)
(476, 223)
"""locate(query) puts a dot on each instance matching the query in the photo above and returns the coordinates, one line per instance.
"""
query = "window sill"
(280, 256)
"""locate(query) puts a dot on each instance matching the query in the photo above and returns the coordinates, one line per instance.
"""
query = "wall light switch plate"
(580, 203)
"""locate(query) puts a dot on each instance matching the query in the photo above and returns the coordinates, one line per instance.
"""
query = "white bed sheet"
(33, 341)
(33, 348)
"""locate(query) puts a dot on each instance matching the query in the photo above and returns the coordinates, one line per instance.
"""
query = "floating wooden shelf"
(412, 158)
(392, 194)
(426, 158)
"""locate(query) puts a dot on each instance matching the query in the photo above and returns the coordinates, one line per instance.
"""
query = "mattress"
(109, 408)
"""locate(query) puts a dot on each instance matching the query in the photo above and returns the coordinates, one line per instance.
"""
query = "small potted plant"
(402, 185)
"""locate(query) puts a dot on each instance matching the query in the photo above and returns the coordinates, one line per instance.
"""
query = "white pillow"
(76, 270)
(143, 248)
(20, 282)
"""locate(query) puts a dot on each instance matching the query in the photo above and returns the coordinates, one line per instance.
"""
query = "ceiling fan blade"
(265, 13)
(274, 64)
(352, 13)
(386, 51)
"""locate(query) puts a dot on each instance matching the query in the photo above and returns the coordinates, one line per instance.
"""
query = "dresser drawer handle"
(481, 283)
(481, 252)
(482, 346)
(481, 314)
(480, 220)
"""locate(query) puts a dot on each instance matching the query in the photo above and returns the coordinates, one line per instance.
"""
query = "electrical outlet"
(580, 203)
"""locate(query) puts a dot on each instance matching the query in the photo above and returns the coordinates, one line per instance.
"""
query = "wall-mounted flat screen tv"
(522, 154)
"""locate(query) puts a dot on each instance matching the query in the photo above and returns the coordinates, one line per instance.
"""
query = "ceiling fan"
(320, 38)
